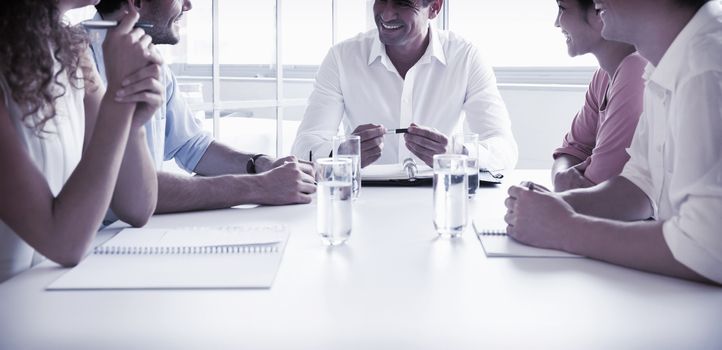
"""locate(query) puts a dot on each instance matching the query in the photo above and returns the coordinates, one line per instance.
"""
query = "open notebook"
(379, 173)
(497, 244)
(147, 258)
(398, 175)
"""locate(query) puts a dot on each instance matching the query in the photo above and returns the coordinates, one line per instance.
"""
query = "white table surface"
(395, 285)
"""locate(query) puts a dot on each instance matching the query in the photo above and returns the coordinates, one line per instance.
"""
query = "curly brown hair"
(33, 36)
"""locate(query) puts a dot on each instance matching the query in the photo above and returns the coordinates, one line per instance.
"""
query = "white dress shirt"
(676, 153)
(358, 84)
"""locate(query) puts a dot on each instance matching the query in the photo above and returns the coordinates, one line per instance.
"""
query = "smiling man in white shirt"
(406, 74)
(674, 174)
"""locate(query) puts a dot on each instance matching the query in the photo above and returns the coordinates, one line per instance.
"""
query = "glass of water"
(333, 199)
(450, 194)
(349, 147)
(468, 145)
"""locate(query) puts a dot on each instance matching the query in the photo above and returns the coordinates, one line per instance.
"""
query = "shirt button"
(659, 149)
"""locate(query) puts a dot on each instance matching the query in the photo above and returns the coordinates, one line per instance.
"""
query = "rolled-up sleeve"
(693, 236)
(486, 115)
(581, 139)
(185, 140)
(616, 130)
(637, 169)
(694, 233)
(323, 114)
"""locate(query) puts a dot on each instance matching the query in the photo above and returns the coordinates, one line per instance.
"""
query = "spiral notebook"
(496, 243)
(396, 174)
(422, 175)
(193, 258)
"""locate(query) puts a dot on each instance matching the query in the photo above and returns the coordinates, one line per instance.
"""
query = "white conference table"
(394, 285)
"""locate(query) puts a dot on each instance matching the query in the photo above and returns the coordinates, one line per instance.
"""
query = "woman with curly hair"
(69, 149)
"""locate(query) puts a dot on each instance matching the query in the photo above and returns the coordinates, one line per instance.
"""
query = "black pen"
(397, 131)
(91, 24)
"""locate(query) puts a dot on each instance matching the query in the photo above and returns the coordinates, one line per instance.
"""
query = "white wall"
(541, 116)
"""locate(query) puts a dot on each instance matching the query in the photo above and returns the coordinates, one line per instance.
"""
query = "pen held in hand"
(90, 24)
(397, 131)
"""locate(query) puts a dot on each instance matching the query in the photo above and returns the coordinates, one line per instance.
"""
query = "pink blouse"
(603, 129)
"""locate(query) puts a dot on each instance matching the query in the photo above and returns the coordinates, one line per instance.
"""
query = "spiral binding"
(262, 248)
(221, 249)
(494, 232)
(245, 228)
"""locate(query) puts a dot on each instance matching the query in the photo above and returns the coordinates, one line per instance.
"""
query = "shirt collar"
(435, 49)
(667, 71)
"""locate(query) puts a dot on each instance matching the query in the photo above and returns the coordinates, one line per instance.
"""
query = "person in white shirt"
(406, 74)
(674, 174)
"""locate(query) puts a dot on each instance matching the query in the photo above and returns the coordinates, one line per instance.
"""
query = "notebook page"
(380, 172)
(232, 235)
(497, 244)
(256, 269)
(196, 236)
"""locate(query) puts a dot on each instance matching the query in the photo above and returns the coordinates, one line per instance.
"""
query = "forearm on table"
(639, 245)
(136, 192)
(563, 162)
(181, 193)
(616, 199)
(220, 159)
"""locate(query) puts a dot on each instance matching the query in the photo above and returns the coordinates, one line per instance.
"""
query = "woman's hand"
(127, 50)
(144, 88)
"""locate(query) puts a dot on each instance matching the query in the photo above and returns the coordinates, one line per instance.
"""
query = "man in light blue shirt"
(228, 177)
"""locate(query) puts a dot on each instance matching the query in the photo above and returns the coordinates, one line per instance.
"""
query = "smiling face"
(619, 17)
(403, 22)
(581, 26)
(165, 16)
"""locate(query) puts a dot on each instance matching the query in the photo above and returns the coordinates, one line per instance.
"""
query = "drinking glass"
(468, 145)
(333, 199)
(349, 147)
(450, 194)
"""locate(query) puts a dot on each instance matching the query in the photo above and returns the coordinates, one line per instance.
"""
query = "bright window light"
(514, 33)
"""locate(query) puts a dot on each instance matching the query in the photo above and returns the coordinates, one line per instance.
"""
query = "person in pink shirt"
(594, 150)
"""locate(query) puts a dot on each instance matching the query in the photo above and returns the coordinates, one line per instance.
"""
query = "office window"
(514, 33)
(353, 17)
(247, 31)
(306, 37)
(306, 32)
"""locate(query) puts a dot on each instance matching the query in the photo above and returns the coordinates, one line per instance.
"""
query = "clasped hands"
(423, 142)
(133, 67)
